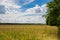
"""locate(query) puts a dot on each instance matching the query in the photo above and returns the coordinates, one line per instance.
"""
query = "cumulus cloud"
(36, 13)
(36, 9)
(40, 10)
(44, 9)
(13, 15)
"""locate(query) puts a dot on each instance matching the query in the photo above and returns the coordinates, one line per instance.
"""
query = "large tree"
(53, 17)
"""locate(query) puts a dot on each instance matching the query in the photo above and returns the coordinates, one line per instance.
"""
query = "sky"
(23, 11)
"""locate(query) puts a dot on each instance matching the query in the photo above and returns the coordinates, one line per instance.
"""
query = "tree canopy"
(53, 11)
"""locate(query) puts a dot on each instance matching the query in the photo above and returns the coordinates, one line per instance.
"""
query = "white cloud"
(44, 9)
(32, 15)
(10, 6)
(36, 9)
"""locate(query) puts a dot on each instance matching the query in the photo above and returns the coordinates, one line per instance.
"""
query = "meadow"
(28, 32)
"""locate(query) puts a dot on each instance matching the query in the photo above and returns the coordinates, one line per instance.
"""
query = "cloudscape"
(23, 11)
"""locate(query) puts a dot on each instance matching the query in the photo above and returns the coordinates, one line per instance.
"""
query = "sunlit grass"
(28, 32)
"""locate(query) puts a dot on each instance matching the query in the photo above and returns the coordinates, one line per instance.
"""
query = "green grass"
(28, 32)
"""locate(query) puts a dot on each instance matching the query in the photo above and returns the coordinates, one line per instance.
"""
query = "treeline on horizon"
(53, 13)
(22, 24)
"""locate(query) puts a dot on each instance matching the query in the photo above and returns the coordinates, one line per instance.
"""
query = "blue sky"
(23, 11)
(32, 4)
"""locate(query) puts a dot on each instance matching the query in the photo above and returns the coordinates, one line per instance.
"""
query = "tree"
(53, 17)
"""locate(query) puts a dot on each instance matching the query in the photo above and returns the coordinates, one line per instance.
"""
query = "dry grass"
(28, 32)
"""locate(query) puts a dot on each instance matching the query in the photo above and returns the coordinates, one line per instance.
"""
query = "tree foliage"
(53, 17)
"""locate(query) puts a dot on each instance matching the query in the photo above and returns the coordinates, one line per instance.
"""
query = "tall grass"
(28, 32)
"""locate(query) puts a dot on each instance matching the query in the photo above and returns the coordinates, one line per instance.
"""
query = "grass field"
(28, 32)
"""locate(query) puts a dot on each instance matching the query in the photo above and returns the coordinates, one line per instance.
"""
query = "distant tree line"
(53, 16)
